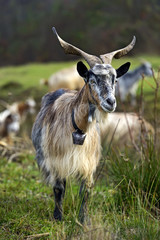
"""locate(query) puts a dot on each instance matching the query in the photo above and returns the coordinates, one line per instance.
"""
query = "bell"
(78, 138)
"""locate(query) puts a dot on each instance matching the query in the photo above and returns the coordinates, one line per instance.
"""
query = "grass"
(19, 82)
(27, 207)
(125, 201)
(28, 75)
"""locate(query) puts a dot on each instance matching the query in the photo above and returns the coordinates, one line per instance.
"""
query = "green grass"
(28, 75)
(125, 201)
(27, 208)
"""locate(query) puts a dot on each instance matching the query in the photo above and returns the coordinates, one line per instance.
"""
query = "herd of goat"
(14, 115)
(76, 116)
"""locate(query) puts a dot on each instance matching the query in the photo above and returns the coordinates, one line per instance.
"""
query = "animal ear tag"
(78, 137)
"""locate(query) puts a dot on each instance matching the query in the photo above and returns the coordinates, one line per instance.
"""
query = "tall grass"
(135, 177)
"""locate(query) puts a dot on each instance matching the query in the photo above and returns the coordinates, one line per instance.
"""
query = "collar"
(75, 125)
(78, 136)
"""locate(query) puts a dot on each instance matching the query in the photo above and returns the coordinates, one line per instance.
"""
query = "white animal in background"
(128, 83)
(9, 124)
(124, 128)
(65, 78)
(14, 116)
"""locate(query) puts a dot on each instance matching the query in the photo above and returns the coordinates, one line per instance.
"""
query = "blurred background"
(97, 26)
(125, 201)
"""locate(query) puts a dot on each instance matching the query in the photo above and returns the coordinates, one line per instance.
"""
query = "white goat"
(65, 133)
(124, 128)
(128, 83)
(65, 78)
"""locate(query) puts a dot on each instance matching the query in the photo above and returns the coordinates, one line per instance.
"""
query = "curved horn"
(107, 58)
(70, 49)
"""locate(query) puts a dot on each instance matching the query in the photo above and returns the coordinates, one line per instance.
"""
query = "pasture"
(125, 201)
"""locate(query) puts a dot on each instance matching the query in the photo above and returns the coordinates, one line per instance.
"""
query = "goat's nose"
(111, 101)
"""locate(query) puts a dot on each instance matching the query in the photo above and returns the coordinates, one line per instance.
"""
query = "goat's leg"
(59, 191)
(84, 194)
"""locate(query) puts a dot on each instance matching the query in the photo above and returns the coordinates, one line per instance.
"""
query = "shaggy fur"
(61, 158)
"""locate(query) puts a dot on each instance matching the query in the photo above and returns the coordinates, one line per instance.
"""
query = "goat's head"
(147, 69)
(102, 77)
(101, 80)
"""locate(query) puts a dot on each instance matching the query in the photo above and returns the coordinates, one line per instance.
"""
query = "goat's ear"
(123, 69)
(82, 70)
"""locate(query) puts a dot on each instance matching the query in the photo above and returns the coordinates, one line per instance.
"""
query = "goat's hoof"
(57, 215)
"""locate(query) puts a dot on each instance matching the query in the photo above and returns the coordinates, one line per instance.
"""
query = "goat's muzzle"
(109, 105)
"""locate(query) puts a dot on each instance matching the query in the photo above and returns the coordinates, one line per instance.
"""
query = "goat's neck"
(82, 108)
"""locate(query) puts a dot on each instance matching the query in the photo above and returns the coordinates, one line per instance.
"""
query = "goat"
(65, 134)
(23, 108)
(9, 125)
(128, 128)
(65, 78)
(128, 84)
(14, 116)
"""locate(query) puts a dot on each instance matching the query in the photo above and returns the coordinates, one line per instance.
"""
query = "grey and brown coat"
(65, 112)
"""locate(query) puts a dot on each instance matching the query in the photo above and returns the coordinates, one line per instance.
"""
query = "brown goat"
(23, 108)
(13, 117)
(9, 125)
(65, 134)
